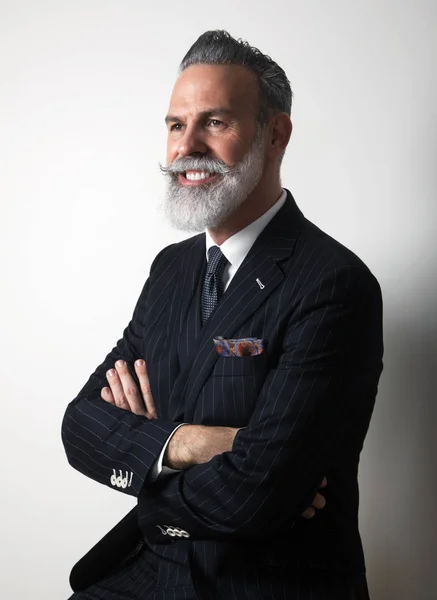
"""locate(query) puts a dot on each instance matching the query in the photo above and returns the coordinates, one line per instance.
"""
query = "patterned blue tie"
(212, 284)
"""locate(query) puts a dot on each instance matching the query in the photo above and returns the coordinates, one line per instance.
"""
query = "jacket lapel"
(254, 282)
(191, 325)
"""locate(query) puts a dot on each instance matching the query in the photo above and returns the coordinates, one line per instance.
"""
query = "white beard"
(196, 208)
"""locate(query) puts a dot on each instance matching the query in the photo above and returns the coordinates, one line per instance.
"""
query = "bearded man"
(247, 374)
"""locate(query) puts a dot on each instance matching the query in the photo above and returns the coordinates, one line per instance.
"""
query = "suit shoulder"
(326, 256)
(176, 251)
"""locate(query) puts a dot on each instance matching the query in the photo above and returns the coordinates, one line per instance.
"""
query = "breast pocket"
(239, 366)
(229, 395)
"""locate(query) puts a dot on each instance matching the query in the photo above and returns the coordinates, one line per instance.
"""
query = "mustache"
(189, 163)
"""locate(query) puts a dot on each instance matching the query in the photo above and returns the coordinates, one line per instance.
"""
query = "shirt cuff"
(158, 470)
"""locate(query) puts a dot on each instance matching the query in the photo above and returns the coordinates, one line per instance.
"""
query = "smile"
(196, 177)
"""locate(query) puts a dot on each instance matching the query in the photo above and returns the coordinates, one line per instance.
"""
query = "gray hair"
(220, 48)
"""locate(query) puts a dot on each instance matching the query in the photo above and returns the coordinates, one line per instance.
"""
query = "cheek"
(171, 151)
(169, 148)
(231, 150)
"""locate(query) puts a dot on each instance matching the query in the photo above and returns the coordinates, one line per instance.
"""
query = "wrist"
(197, 444)
(179, 453)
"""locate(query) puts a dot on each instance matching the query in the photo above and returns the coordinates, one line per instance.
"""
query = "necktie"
(212, 284)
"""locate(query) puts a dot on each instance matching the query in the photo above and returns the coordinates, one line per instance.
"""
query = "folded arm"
(196, 444)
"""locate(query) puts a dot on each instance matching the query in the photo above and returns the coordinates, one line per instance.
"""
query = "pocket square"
(238, 347)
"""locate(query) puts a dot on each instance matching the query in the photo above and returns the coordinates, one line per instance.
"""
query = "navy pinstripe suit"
(305, 404)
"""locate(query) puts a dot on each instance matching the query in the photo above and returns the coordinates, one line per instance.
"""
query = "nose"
(191, 143)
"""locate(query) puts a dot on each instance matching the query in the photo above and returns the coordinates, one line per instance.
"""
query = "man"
(247, 374)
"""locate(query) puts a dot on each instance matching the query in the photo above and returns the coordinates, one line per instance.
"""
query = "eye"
(215, 123)
(176, 127)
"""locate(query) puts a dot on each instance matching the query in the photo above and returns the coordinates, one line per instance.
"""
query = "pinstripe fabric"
(305, 405)
(137, 579)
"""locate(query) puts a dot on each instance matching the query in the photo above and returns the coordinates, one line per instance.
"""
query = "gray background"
(84, 87)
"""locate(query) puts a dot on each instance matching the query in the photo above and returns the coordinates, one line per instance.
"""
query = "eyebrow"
(203, 115)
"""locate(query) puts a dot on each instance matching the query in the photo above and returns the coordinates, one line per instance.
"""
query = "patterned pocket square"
(239, 347)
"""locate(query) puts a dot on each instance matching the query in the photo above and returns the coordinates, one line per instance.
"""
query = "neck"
(263, 197)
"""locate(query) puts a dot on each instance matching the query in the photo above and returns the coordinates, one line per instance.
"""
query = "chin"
(191, 224)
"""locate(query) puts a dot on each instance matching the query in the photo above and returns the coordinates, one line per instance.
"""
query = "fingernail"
(140, 363)
(120, 363)
(111, 373)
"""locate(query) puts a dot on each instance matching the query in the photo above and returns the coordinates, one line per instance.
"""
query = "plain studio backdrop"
(84, 88)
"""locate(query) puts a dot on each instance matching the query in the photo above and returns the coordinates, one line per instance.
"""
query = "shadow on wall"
(398, 476)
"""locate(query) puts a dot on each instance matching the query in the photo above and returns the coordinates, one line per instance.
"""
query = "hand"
(197, 444)
(123, 391)
(317, 504)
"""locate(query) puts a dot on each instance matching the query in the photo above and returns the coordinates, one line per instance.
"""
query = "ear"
(280, 133)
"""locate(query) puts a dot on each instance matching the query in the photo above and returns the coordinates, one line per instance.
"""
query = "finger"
(130, 389)
(319, 501)
(107, 395)
(117, 389)
(143, 378)
(308, 513)
(324, 483)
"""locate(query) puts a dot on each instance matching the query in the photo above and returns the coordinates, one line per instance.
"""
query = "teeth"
(197, 175)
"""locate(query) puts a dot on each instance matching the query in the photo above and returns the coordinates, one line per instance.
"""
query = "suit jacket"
(305, 404)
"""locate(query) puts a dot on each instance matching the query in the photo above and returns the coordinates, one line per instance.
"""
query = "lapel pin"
(261, 285)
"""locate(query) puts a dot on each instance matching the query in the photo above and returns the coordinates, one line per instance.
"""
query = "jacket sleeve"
(315, 403)
(111, 445)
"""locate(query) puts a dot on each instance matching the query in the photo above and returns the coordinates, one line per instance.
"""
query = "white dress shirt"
(235, 248)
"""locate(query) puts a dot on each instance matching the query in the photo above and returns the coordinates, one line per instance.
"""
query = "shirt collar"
(237, 246)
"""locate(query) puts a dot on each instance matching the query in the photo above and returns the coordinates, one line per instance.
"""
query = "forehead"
(202, 87)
